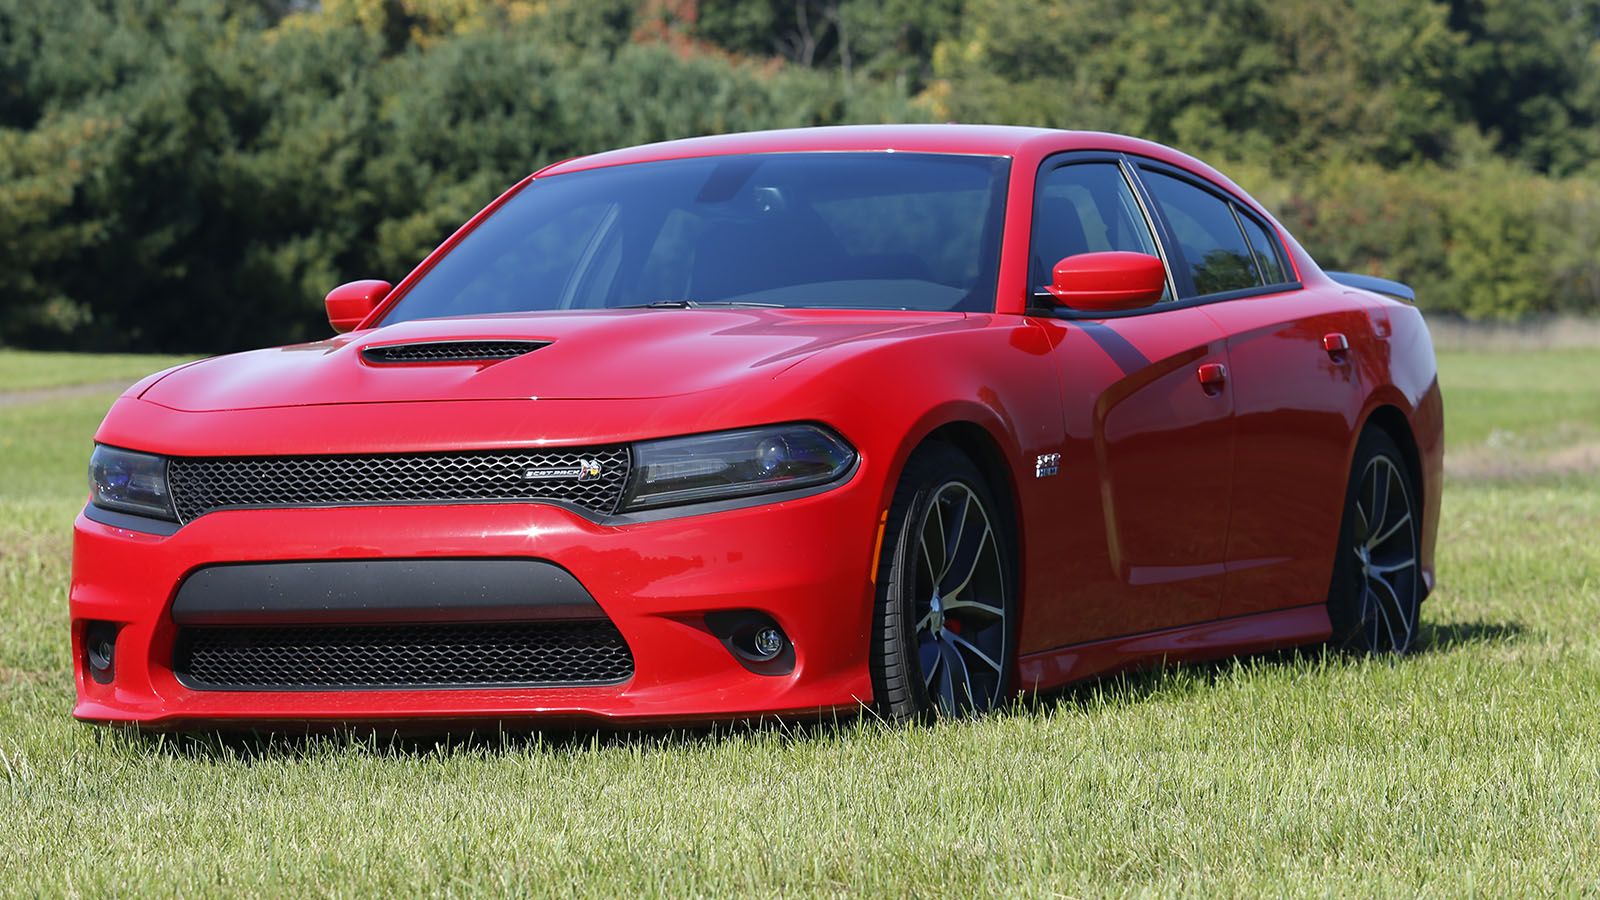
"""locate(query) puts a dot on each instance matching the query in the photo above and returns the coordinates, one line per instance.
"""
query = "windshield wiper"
(700, 304)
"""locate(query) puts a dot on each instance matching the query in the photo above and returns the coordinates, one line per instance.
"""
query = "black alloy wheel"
(1376, 593)
(945, 612)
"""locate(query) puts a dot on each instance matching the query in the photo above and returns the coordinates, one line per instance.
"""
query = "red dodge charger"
(907, 418)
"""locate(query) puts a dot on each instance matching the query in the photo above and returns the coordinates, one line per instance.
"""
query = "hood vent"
(449, 351)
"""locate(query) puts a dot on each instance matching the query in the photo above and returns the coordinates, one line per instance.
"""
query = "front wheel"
(945, 612)
(1376, 594)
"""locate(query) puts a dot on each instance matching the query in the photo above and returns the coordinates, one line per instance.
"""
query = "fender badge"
(1046, 465)
(585, 470)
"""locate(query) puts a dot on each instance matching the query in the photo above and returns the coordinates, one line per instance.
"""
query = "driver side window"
(1084, 208)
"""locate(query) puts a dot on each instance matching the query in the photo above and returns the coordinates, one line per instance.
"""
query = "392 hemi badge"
(1046, 465)
(585, 470)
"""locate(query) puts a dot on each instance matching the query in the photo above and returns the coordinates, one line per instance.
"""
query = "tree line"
(194, 175)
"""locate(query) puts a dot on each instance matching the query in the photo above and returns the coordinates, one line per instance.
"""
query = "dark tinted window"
(1084, 208)
(1268, 254)
(846, 230)
(1219, 259)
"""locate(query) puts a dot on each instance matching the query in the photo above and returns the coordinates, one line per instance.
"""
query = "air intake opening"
(398, 657)
(449, 351)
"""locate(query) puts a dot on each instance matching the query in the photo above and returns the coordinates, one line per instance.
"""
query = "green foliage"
(891, 39)
(195, 175)
(1287, 79)
(196, 178)
(1532, 73)
(1484, 240)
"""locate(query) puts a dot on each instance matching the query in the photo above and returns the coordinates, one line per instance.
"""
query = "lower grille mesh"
(356, 657)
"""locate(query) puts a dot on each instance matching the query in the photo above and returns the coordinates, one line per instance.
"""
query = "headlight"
(130, 482)
(731, 464)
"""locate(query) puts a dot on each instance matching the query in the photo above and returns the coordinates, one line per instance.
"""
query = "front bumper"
(792, 560)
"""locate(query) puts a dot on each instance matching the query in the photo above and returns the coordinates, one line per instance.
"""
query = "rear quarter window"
(1213, 246)
(1269, 255)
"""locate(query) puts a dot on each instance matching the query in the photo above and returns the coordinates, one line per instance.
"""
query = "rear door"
(1296, 395)
(1147, 469)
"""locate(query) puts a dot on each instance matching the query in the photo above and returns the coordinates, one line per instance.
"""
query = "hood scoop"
(448, 352)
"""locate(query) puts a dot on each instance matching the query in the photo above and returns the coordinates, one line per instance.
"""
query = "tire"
(943, 640)
(1375, 597)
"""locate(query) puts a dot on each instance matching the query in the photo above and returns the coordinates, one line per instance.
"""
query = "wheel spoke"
(927, 556)
(930, 662)
(984, 540)
(1399, 607)
(1392, 567)
(993, 612)
(947, 676)
(1380, 500)
(1380, 539)
(958, 662)
(960, 641)
(953, 544)
(1369, 614)
(1387, 625)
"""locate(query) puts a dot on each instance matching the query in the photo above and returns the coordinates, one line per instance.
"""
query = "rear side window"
(1218, 256)
(1084, 208)
(1268, 255)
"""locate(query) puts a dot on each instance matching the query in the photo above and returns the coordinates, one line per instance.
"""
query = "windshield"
(824, 230)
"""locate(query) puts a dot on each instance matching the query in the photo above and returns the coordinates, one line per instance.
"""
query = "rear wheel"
(1375, 597)
(945, 606)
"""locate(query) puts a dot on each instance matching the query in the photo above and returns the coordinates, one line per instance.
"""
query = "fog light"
(768, 643)
(100, 651)
(754, 639)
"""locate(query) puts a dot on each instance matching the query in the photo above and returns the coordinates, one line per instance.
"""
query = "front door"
(1148, 460)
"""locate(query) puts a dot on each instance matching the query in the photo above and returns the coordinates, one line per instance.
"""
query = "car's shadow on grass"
(1440, 638)
(520, 737)
(1139, 685)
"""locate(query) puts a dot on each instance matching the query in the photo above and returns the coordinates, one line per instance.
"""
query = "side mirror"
(349, 303)
(1109, 281)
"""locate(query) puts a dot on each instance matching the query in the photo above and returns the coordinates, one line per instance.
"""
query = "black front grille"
(376, 657)
(450, 351)
(565, 475)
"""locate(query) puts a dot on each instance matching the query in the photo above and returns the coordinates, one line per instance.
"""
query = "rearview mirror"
(348, 304)
(1109, 281)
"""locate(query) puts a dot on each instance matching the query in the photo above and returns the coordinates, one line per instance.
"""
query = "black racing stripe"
(1124, 354)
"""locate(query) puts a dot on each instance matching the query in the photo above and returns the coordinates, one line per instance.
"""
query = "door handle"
(1212, 377)
(1336, 344)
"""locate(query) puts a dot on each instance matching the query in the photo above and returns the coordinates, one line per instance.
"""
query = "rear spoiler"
(1376, 285)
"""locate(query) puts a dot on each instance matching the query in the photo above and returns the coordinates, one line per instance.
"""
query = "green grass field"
(1472, 767)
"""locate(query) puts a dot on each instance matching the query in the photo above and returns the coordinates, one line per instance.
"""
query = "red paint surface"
(1108, 281)
(1184, 523)
(348, 304)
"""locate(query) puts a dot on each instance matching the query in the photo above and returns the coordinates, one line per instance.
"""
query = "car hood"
(610, 354)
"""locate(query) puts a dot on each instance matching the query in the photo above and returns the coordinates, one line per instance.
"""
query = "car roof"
(986, 140)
